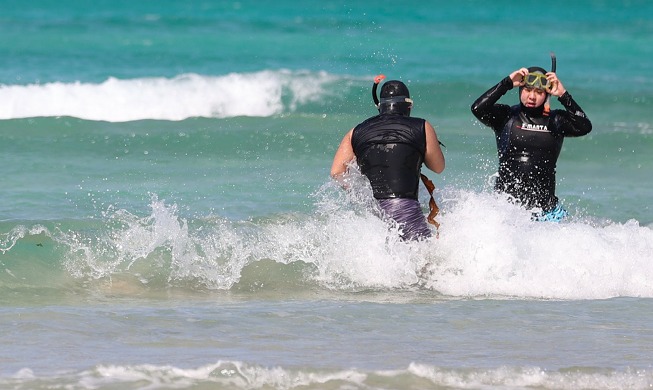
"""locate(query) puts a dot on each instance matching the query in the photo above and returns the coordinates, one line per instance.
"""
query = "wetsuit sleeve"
(487, 111)
(572, 122)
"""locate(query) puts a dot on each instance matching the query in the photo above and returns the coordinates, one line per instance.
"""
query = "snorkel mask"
(537, 80)
(395, 97)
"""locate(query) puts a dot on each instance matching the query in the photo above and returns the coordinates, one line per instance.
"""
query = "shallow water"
(167, 218)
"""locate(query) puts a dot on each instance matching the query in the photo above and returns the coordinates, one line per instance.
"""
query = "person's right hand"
(518, 76)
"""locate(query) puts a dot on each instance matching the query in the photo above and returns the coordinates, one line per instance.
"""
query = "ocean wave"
(239, 375)
(486, 248)
(258, 94)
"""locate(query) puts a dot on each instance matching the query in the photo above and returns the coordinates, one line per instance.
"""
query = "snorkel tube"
(547, 105)
(377, 81)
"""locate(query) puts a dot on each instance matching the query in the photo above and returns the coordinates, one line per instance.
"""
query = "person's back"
(390, 149)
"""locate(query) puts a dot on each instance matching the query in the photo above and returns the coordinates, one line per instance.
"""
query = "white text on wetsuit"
(532, 127)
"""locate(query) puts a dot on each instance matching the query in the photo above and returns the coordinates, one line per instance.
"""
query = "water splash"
(487, 247)
(491, 247)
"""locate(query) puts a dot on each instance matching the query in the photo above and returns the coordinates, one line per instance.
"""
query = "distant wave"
(260, 94)
(240, 375)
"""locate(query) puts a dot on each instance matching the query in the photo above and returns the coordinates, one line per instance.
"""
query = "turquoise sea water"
(167, 218)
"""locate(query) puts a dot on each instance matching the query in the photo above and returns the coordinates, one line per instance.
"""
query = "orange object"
(433, 207)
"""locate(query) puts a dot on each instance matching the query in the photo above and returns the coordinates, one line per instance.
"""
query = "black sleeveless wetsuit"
(529, 143)
(390, 150)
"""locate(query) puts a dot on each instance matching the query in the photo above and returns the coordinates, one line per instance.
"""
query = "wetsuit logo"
(533, 127)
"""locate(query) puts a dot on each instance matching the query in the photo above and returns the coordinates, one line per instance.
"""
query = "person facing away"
(390, 149)
(529, 137)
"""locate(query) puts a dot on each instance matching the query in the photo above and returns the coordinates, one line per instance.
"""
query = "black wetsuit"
(390, 150)
(529, 143)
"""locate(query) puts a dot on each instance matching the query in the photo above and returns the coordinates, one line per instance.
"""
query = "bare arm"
(433, 158)
(344, 156)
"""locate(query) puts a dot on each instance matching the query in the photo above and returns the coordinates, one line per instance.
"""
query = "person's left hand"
(556, 88)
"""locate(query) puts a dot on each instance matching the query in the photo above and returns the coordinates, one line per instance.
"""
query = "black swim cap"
(395, 98)
(394, 88)
(533, 69)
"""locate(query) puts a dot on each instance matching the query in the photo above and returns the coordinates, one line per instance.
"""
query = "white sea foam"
(263, 93)
(239, 375)
(486, 248)
(489, 247)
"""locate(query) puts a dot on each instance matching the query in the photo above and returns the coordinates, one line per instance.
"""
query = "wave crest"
(486, 248)
(261, 94)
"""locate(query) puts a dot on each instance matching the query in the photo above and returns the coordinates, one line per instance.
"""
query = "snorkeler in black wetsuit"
(529, 137)
(390, 149)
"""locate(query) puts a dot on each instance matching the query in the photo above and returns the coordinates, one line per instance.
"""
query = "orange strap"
(433, 207)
